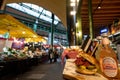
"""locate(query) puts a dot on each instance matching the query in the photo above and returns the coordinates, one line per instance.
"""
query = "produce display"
(18, 61)
(13, 54)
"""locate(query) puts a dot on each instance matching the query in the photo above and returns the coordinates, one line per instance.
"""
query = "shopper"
(50, 54)
(55, 54)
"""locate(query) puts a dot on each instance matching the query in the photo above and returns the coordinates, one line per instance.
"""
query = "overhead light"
(72, 1)
(72, 4)
(77, 24)
(99, 7)
(23, 32)
(34, 36)
(73, 12)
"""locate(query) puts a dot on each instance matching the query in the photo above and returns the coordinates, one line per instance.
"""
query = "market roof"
(104, 11)
(58, 7)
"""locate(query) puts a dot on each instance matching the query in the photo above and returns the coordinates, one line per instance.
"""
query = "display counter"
(69, 73)
(20, 66)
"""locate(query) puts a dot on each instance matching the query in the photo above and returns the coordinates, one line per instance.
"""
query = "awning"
(14, 27)
(36, 39)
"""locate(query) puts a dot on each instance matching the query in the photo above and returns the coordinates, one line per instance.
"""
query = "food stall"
(14, 58)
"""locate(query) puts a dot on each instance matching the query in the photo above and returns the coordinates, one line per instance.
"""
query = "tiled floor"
(43, 71)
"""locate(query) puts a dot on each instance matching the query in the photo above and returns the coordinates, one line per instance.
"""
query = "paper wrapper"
(70, 73)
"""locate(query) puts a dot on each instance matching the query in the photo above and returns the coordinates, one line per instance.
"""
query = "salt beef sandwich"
(86, 64)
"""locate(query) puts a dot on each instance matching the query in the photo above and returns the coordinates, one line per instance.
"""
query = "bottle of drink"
(108, 60)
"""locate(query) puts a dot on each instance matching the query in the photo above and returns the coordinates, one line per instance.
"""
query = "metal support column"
(52, 30)
(70, 25)
(79, 24)
(90, 18)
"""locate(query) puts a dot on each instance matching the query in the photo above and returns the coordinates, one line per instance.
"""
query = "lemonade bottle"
(108, 60)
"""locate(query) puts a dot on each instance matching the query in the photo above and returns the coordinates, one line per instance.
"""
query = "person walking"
(50, 55)
(55, 55)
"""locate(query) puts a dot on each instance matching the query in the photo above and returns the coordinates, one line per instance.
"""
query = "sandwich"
(86, 64)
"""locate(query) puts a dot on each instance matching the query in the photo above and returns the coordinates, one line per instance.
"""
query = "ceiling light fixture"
(99, 7)
(76, 24)
(34, 36)
(73, 12)
(78, 0)
(72, 4)
(72, 1)
(23, 32)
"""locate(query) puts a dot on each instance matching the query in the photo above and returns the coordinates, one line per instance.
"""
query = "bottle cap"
(104, 35)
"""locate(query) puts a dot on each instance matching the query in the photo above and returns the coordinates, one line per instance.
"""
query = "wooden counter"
(70, 73)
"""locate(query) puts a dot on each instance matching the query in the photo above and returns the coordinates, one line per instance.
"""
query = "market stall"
(14, 56)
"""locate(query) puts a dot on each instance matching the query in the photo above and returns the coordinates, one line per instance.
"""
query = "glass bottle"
(108, 60)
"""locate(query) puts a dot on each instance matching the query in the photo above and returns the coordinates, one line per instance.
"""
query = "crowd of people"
(53, 54)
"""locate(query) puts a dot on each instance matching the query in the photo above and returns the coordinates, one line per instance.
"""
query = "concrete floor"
(42, 71)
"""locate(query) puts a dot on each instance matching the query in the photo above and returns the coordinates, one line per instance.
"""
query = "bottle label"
(109, 67)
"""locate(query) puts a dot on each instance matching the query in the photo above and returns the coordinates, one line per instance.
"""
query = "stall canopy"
(9, 24)
(36, 39)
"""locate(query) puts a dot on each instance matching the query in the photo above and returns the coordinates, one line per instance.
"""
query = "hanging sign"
(105, 30)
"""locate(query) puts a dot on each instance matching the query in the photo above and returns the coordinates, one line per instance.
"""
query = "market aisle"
(43, 71)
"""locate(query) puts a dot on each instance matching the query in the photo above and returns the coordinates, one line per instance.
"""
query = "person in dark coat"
(55, 55)
(50, 55)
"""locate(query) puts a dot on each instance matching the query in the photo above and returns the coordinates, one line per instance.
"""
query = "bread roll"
(91, 68)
